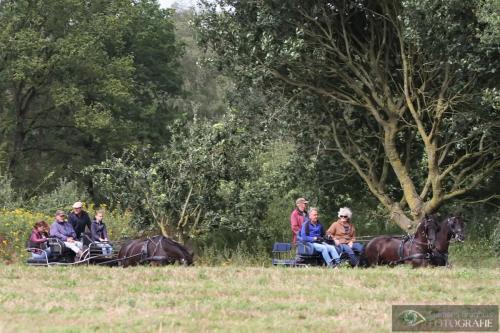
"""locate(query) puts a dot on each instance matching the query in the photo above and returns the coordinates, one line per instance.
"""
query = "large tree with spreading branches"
(406, 88)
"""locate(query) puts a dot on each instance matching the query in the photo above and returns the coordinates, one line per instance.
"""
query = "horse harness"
(144, 251)
(421, 255)
(412, 240)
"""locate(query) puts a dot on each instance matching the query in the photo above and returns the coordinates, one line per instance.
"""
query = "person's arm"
(294, 222)
(71, 231)
(333, 232)
(93, 232)
(88, 223)
(72, 220)
(303, 235)
(104, 231)
(34, 239)
(353, 234)
(55, 231)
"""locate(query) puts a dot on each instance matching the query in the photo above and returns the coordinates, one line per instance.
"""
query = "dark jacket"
(98, 230)
(79, 222)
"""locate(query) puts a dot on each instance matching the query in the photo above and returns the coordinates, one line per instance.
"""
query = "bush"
(8, 197)
(15, 229)
(16, 226)
(62, 197)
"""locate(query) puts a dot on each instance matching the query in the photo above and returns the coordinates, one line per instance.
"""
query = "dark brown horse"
(451, 228)
(157, 250)
(415, 249)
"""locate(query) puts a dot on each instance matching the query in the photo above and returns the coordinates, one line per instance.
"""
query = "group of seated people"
(70, 232)
(339, 238)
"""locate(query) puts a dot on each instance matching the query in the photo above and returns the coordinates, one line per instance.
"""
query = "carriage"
(155, 250)
(427, 246)
(303, 254)
(61, 255)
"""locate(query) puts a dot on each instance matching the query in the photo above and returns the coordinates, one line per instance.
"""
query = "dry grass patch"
(221, 299)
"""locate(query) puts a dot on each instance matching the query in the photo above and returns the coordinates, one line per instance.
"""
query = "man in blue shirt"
(313, 232)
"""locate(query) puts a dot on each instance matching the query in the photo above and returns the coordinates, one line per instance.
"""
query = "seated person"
(62, 230)
(312, 232)
(38, 241)
(343, 234)
(79, 219)
(99, 233)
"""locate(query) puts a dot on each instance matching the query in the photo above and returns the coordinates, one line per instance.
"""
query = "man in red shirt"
(297, 217)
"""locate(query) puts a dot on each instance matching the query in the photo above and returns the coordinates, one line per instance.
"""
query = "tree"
(399, 85)
(80, 78)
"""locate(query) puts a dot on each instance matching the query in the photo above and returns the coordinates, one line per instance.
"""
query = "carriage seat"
(282, 255)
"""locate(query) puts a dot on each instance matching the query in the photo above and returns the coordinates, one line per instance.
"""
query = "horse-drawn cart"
(303, 254)
(155, 250)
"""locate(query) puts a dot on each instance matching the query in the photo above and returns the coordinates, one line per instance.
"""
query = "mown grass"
(227, 299)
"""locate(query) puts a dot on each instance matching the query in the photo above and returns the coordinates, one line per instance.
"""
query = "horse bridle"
(430, 244)
(452, 232)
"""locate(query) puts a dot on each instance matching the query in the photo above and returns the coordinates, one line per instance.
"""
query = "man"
(79, 219)
(297, 217)
(312, 231)
(63, 230)
(343, 234)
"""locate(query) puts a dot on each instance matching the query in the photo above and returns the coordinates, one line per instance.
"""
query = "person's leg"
(353, 260)
(357, 248)
(324, 252)
(73, 246)
(40, 256)
(109, 249)
(333, 253)
(106, 248)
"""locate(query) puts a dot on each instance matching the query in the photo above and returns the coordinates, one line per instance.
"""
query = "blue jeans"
(106, 248)
(351, 252)
(328, 252)
(41, 256)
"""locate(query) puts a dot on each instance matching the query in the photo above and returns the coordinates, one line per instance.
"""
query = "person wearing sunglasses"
(343, 233)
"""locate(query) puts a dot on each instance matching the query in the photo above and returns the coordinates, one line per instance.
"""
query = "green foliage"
(400, 92)
(62, 197)
(8, 196)
(15, 229)
(79, 79)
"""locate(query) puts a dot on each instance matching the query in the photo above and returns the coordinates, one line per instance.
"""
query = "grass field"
(227, 299)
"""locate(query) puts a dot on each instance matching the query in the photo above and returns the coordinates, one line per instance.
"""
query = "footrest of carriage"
(283, 262)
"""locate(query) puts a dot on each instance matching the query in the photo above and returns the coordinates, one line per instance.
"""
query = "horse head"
(455, 226)
(177, 251)
(429, 229)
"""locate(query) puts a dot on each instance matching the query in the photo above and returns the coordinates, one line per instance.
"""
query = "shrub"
(62, 197)
(15, 228)
(8, 197)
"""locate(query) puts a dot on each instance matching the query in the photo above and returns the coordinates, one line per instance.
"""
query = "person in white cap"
(79, 219)
(297, 217)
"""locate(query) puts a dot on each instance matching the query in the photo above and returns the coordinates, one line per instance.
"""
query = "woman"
(38, 241)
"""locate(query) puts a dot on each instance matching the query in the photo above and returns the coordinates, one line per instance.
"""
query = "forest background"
(206, 125)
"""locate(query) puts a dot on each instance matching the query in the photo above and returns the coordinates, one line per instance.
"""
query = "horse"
(415, 249)
(450, 228)
(157, 250)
